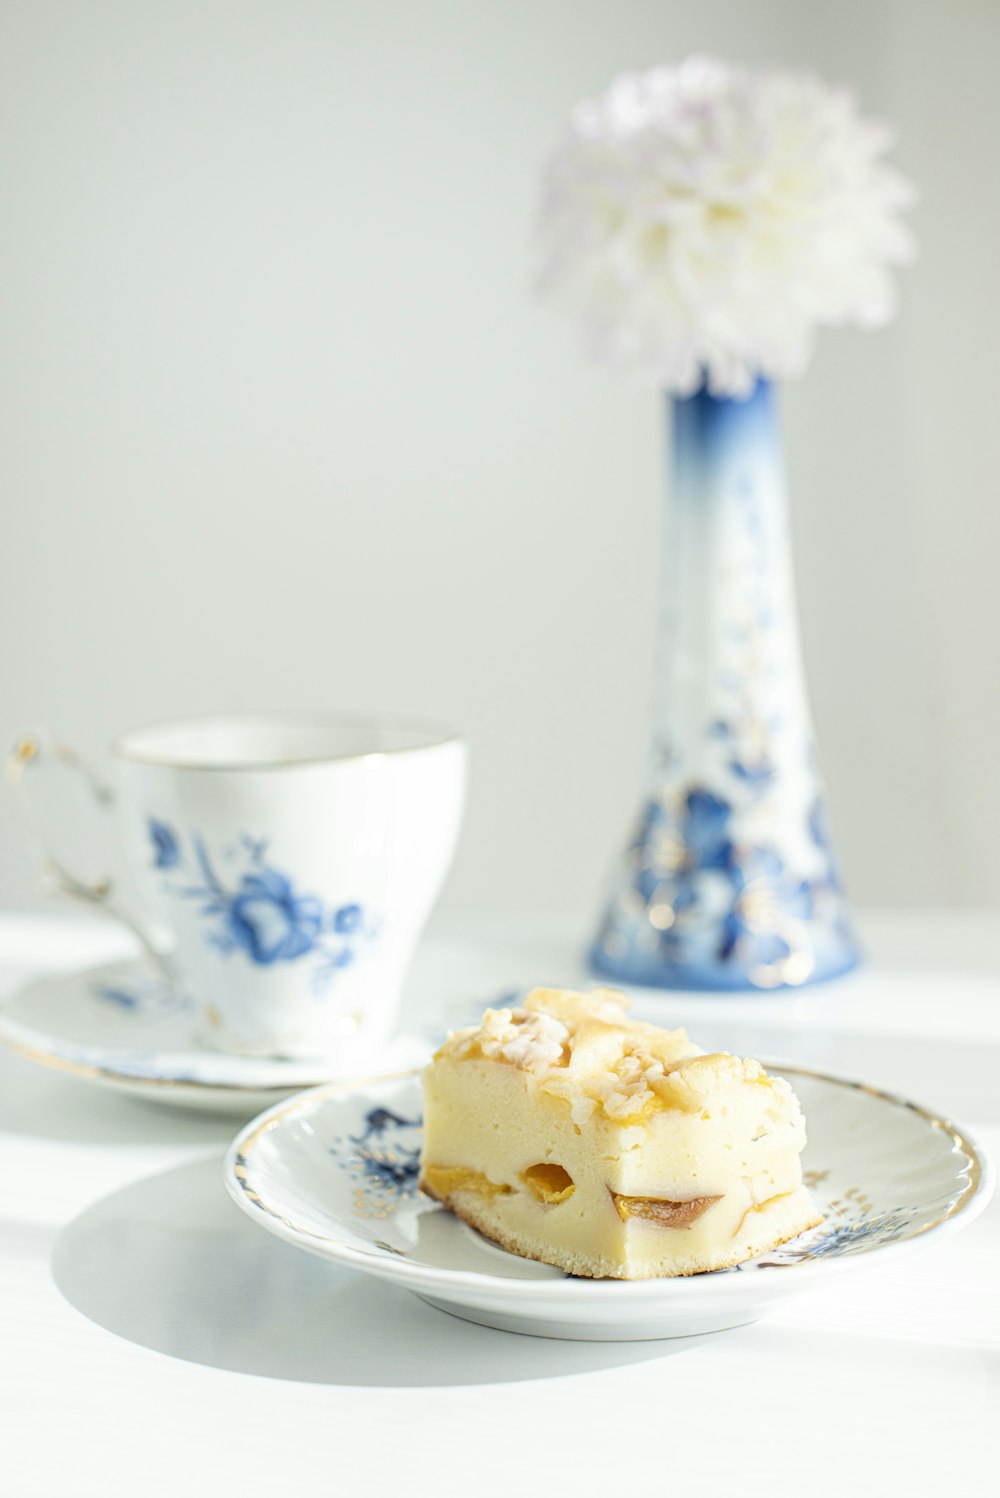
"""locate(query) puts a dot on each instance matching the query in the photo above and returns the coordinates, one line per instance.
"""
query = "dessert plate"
(122, 1026)
(335, 1172)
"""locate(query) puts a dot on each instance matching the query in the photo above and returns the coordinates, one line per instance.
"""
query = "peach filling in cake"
(568, 1132)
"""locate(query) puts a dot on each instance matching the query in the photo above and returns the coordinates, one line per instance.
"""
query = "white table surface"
(154, 1341)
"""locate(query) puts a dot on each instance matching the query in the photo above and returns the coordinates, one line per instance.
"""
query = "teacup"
(286, 865)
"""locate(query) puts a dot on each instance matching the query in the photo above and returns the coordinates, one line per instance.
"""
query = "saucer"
(335, 1172)
(123, 1026)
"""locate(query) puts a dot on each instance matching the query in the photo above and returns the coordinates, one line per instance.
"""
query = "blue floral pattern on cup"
(269, 921)
(260, 913)
(166, 853)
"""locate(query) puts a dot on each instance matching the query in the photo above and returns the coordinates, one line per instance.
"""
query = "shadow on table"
(171, 1264)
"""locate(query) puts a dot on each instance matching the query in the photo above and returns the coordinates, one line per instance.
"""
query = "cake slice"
(568, 1132)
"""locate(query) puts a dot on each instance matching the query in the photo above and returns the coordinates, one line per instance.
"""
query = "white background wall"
(281, 426)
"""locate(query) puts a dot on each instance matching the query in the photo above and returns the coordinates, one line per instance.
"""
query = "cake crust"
(588, 1268)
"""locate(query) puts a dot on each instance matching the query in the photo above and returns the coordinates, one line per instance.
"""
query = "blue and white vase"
(729, 881)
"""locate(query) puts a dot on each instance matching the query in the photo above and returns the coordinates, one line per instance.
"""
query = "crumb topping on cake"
(534, 1042)
(585, 1048)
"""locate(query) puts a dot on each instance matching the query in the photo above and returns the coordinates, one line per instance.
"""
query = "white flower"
(706, 218)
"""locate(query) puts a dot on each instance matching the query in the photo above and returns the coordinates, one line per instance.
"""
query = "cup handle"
(30, 750)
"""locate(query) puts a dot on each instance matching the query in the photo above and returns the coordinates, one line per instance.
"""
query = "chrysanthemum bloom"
(706, 219)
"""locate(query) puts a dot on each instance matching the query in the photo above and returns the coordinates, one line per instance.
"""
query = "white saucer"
(121, 1025)
(335, 1172)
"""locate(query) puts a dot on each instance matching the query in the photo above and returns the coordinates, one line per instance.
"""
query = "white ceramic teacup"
(290, 863)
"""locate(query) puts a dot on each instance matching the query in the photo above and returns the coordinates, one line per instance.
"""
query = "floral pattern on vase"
(729, 880)
(259, 913)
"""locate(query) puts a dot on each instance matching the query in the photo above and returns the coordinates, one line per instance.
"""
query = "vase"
(729, 879)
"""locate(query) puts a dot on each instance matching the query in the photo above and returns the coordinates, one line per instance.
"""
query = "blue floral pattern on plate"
(383, 1160)
(260, 913)
(381, 1156)
(143, 997)
(875, 1190)
(125, 1024)
(334, 1170)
